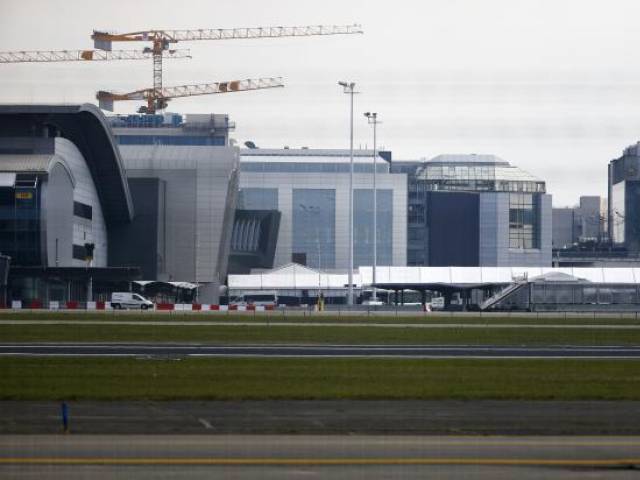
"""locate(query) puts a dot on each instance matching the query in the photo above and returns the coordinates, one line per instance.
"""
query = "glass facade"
(258, 199)
(523, 221)
(310, 167)
(20, 222)
(363, 227)
(570, 296)
(314, 220)
(500, 177)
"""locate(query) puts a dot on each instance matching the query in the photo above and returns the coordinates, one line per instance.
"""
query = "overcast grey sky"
(550, 85)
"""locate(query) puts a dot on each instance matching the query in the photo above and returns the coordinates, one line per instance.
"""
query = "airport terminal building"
(308, 189)
(63, 198)
(476, 210)
(82, 216)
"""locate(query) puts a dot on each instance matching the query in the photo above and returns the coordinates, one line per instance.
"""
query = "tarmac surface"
(287, 456)
(317, 351)
(339, 417)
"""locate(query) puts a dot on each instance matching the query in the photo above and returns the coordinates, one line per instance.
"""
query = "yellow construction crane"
(157, 96)
(46, 56)
(157, 99)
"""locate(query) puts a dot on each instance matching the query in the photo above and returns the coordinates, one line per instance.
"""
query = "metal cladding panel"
(7, 179)
(86, 127)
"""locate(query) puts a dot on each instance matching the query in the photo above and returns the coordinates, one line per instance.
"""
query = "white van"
(123, 300)
(258, 298)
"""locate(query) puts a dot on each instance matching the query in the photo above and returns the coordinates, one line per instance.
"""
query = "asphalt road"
(317, 351)
(284, 456)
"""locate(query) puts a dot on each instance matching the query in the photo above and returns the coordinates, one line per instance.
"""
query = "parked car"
(126, 300)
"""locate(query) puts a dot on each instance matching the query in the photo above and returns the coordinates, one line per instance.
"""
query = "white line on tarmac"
(205, 424)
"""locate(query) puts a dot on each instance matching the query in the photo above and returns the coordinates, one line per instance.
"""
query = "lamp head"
(343, 84)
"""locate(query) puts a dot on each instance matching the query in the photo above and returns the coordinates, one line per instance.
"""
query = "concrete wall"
(287, 182)
(200, 193)
(85, 192)
(57, 217)
(494, 234)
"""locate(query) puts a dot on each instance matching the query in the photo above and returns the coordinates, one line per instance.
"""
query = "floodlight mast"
(349, 89)
(372, 118)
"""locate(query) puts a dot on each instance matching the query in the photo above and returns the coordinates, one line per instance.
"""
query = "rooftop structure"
(477, 173)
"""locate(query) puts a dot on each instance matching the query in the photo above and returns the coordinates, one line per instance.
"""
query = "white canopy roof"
(291, 277)
(296, 277)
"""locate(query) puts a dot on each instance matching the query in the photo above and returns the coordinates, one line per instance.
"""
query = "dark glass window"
(314, 220)
(523, 221)
(79, 252)
(363, 227)
(20, 222)
(82, 210)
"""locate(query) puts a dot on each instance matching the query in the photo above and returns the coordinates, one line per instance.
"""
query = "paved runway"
(317, 351)
(286, 456)
(335, 417)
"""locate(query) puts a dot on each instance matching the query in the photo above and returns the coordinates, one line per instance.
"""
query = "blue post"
(65, 417)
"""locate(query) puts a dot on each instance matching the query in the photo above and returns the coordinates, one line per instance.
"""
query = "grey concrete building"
(183, 177)
(585, 223)
(477, 210)
(565, 227)
(624, 199)
(310, 189)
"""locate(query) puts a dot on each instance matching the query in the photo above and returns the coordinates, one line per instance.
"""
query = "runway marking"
(205, 424)
(622, 462)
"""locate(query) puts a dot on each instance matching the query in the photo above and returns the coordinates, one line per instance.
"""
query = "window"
(258, 199)
(314, 219)
(363, 227)
(82, 210)
(79, 252)
(523, 221)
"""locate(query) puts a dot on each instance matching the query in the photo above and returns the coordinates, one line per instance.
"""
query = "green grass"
(326, 317)
(237, 379)
(228, 334)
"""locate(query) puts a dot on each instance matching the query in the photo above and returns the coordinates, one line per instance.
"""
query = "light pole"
(372, 117)
(349, 90)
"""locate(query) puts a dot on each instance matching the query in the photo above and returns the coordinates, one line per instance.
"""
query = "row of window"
(309, 167)
(523, 221)
(483, 186)
(170, 140)
(585, 294)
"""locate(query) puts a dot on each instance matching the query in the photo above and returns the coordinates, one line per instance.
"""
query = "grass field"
(237, 379)
(252, 334)
(331, 317)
